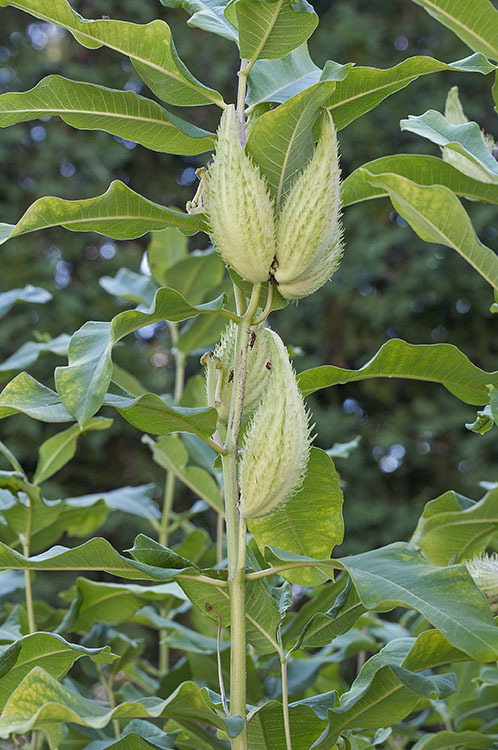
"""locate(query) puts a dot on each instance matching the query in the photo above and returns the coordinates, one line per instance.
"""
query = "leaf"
(46, 650)
(281, 140)
(424, 170)
(32, 294)
(266, 727)
(364, 88)
(25, 395)
(200, 333)
(271, 29)
(82, 385)
(58, 450)
(476, 22)
(466, 140)
(436, 215)
(196, 276)
(29, 352)
(150, 47)
(165, 248)
(207, 15)
(122, 113)
(170, 453)
(130, 286)
(448, 532)
(134, 500)
(41, 701)
(318, 504)
(443, 740)
(119, 213)
(436, 363)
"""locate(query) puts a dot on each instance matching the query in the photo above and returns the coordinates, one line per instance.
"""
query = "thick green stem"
(236, 526)
(285, 699)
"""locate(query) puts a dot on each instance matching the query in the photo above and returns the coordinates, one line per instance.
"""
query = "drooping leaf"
(150, 47)
(364, 88)
(130, 286)
(281, 140)
(208, 15)
(449, 532)
(122, 113)
(83, 383)
(270, 29)
(466, 140)
(46, 650)
(134, 500)
(476, 22)
(55, 452)
(436, 215)
(424, 170)
(41, 701)
(25, 395)
(436, 363)
(318, 504)
(119, 213)
(29, 352)
(30, 293)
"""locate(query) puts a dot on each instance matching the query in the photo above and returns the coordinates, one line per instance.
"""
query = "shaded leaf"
(165, 248)
(437, 363)
(444, 740)
(208, 15)
(29, 352)
(130, 286)
(30, 293)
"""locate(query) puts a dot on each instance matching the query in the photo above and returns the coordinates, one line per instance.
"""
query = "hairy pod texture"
(484, 571)
(238, 206)
(220, 370)
(277, 441)
(309, 233)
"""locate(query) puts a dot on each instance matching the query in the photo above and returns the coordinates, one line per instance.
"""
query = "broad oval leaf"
(25, 395)
(476, 22)
(436, 215)
(436, 363)
(82, 385)
(364, 88)
(424, 170)
(119, 213)
(150, 47)
(318, 504)
(122, 113)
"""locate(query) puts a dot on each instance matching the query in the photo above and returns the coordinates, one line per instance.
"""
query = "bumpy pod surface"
(238, 206)
(277, 441)
(456, 116)
(309, 232)
(219, 380)
(484, 571)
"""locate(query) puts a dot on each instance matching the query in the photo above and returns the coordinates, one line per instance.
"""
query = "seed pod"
(238, 206)
(223, 358)
(456, 116)
(309, 233)
(484, 571)
(277, 441)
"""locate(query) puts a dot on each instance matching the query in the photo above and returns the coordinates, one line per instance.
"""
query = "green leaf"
(436, 363)
(448, 532)
(25, 395)
(444, 740)
(364, 88)
(266, 726)
(29, 352)
(208, 15)
(134, 500)
(122, 113)
(270, 29)
(196, 276)
(323, 627)
(483, 422)
(476, 23)
(318, 504)
(281, 140)
(82, 385)
(466, 140)
(165, 248)
(42, 702)
(130, 286)
(58, 450)
(424, 170)
(46, 650)
(279, 80)
(150, 47)
(436, 215)
(170, 453)
(32, 294)
(200, 333)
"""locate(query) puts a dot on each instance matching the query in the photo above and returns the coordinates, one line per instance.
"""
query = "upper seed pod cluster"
(300, 246)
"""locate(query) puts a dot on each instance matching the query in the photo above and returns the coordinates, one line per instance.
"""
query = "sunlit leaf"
(31, 294)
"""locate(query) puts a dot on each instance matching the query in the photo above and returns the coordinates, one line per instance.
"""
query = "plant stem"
(285, 700)
(236, 526)
(241, 98)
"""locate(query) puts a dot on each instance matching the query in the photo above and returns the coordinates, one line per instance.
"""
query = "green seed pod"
(277, 442)
(484, 571)
(220, 370)
(456, 116)
(238, 206)
(309, 232)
